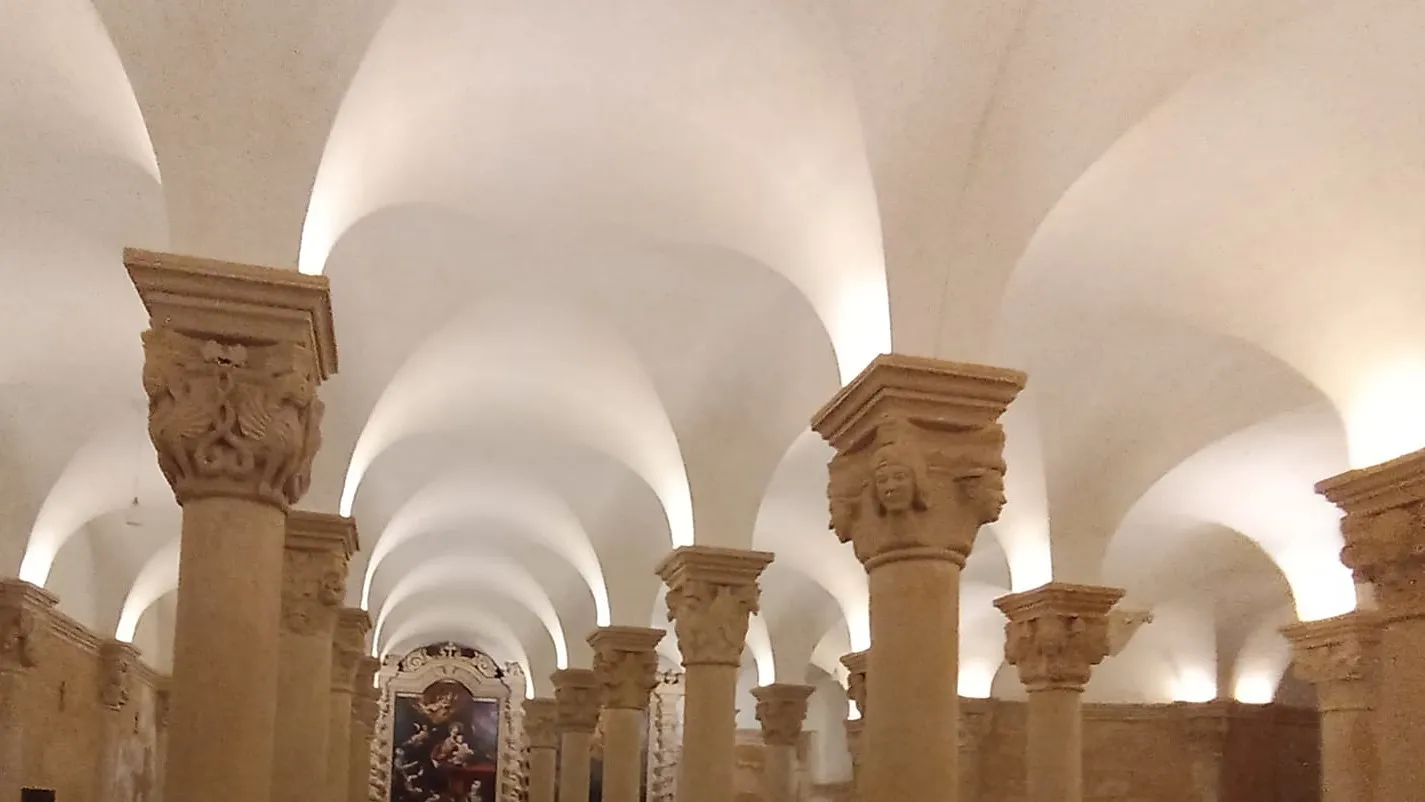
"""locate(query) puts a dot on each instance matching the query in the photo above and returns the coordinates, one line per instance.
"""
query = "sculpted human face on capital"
(895, 485)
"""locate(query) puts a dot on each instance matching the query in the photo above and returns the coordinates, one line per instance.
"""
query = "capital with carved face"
(781, 709)
(1057, 633)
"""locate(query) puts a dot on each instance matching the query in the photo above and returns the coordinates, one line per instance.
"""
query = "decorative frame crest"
(483, 677)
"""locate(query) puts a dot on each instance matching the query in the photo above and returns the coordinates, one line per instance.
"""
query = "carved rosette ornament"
(626, 665)
(1057, 633)
(541, 720)
(576, 692)
(712, 592)
(781, 709)
(117, 663)
(1384, 530)
(919, 466)
(22, 605)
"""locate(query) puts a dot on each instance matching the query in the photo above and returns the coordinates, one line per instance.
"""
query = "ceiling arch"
(432, 623)
(504, 577)
(559, 370)
(690, 152)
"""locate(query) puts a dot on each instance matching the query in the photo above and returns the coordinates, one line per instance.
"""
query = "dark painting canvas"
(445, 745)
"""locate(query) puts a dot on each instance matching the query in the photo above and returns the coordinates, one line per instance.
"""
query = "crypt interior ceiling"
(594, 265)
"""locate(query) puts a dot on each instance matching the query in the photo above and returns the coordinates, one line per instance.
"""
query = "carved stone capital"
(541, 723)
(626, 665)
(365, 681)
(919, 462)
(711, 594)
(348, 647)
(781, 709)
(576, 691)
(118, 661)
(314, 570)
(1340, 656)
(232, 360)
(1384, 529)
(856, 663)
(1057, 633)
(22, 607)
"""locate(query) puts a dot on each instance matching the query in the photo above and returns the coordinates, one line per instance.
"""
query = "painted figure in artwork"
(445, 746)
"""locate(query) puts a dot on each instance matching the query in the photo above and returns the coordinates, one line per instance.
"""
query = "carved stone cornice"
(626, 665)
(1340, 656)
(315, 557)
(22, 608)
(856, 663)
(118, 665)
(919, 462)
(541, 723)
(781, 709)
(711, 594)
(576, 690)
(1057, 633)
(348, 647)
(232, 360)
(1384, 529)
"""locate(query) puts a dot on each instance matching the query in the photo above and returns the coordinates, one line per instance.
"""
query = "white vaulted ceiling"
(595, 264)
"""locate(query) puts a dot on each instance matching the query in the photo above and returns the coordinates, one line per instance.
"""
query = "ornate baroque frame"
(483, 677)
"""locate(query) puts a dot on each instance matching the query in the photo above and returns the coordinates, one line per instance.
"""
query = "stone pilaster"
(855, 730)
(712, 592)
(315, 555)
(541, 720)
(348, 649)
(1055, 636)
(1340, 656)
(365, 705)
(918, 470)
(232, 360)
(1384, 529)
(781, 710)
(118, 665)
(24, 612)
(576, 696)
(626, 667)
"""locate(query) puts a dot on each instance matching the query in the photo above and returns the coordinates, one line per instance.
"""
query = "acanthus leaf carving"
(710, 619)
(626, 677)
(576, 692)
(232, 419)
(313, 589)
(917, 488)
(541, 723)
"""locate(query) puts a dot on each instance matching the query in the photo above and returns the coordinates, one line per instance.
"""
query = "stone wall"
(1214, 752)
(91, 732)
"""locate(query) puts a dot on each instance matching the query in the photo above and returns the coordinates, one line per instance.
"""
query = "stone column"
(781, 709)
(23, 609)
(627, 671)
(918, 470)
(576, 694)
(365, 705)
(315, 557)
(1055, 636)
(855, 663)
(541, 726)
(118, 661)
(348, 647)
(1340, 657)
(1384, 529)
(232, 359)
(711, 594)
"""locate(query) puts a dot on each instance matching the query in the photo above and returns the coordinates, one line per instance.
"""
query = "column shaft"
(855, 728)
(347, 650)
(781, 709)
(918, 470)
(626, 668)
(542, 762)
(623, 764)
(365, 705)
(232, 361)
(1053, 764)
(711, 594)
(315, 556)
(576, 694)
(911, 735)
(225, 646)
(541, 727)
